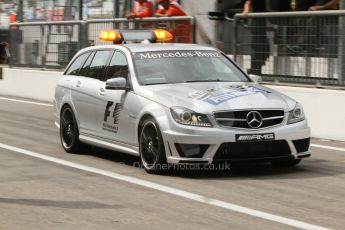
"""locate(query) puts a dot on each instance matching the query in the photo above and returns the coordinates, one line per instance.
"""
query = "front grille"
(238, 119)
(302, 145)
(252, 150)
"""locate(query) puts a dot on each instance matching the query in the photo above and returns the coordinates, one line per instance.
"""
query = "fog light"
(191, 150)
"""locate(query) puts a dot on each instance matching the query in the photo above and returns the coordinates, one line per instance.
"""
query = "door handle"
(101, 92)
(78, 84)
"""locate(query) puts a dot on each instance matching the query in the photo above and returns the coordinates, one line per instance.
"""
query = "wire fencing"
(48, 45)
(302, 47)
(298, 47)
(51, 45)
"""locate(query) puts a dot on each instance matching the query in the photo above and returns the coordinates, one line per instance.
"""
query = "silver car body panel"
(156, 101)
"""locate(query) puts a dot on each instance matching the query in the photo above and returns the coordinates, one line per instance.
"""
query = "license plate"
(255, 137)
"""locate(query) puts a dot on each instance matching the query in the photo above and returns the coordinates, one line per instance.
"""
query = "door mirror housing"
(255, 78)
(119, 83)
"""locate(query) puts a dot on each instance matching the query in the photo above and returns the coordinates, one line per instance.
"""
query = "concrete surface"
(29, 83)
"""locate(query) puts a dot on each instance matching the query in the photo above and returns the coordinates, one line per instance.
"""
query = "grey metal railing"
(51, 45)
(300, 47)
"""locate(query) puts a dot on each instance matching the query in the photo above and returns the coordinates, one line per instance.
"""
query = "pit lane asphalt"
(37, 194)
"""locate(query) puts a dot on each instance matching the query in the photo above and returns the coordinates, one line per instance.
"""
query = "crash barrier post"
(51, 45)
(298, 47)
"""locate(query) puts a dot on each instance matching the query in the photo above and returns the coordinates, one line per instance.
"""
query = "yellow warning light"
(163, 35)
(110, 36)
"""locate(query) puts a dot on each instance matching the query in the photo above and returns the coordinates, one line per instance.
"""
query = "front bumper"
(212, 141)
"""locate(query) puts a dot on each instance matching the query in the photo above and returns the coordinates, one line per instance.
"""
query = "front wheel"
(151, 147)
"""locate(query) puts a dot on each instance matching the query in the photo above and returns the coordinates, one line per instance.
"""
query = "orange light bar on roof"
(135, 36)
(111, 36)
(163, 35)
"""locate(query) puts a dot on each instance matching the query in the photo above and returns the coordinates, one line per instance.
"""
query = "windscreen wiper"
(157, 83)
(209, 80)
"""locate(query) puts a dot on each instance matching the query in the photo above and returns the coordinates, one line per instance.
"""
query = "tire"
(69, 132)
(286, 163)
(151, 147)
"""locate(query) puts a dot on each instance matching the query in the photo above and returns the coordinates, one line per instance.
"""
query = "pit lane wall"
(325, 109)
(29, 83)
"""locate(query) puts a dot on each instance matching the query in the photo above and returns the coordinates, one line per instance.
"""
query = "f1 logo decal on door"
(112, 124)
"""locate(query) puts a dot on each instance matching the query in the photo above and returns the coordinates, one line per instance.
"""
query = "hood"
(207, 97)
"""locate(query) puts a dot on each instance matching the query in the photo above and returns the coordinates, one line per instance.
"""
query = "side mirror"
(255, 78)
(118, 83)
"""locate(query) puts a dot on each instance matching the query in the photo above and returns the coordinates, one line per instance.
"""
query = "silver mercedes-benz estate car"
(175, 103)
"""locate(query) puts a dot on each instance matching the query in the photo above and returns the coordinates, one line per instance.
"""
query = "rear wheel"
(69, 133)
(151, 147)
(286, 163)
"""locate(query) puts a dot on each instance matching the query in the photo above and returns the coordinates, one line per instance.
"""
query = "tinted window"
(84, 71)
(76, 65)
(98, 64)
(118, 66)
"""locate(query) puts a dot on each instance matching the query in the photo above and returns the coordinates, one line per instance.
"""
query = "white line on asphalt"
(328, 147)
(170, 190)
(24, 101)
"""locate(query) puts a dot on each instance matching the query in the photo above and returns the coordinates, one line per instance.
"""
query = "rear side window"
(77, 63)
(98, 64)
(118, 66)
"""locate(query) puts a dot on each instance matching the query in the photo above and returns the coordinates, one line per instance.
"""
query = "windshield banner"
(177, 54)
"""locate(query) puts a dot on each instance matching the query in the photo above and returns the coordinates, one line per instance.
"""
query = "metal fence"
(299, 47)
(302, 47)
(51, 45)
(45, 44)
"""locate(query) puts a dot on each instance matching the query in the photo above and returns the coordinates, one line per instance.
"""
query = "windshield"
(167, 67)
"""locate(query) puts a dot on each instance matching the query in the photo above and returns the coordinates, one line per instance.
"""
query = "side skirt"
(116, 146)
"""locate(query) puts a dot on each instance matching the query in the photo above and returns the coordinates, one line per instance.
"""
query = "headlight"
(296, 115)
(186, 116)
